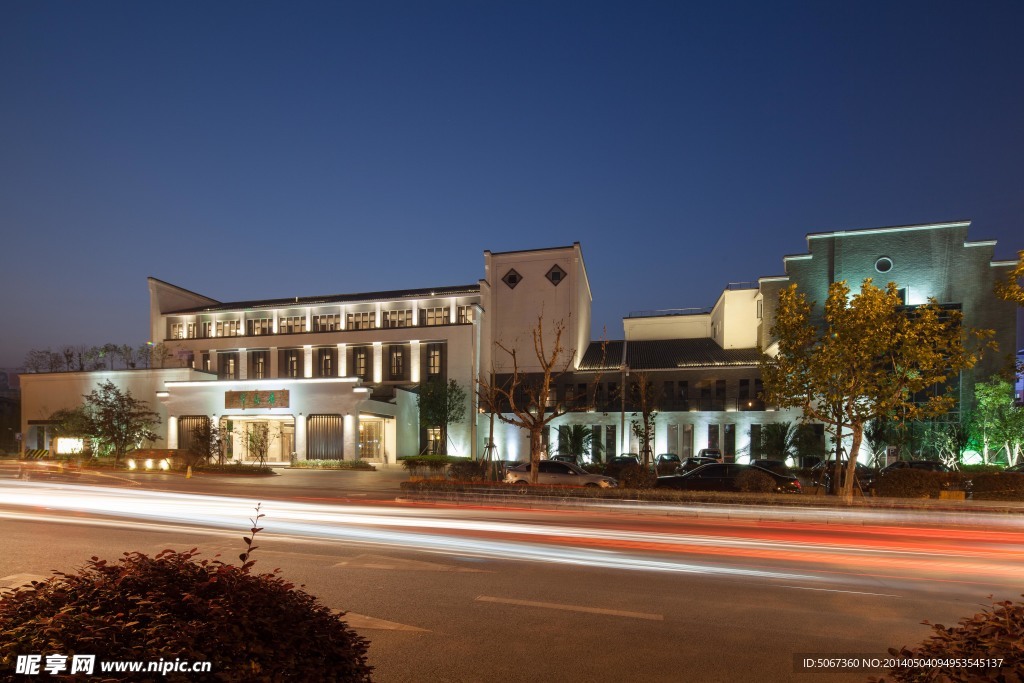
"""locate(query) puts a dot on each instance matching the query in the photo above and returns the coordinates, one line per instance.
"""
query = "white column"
(378, 362)
(342, 361)
(300, 437)
(350, 437)
(272, 370)
(172, 432)
(243, 367)
(414, 362)
(377, 321)
(309, 319)
(307, 361)
(451, 310)
(415, 314)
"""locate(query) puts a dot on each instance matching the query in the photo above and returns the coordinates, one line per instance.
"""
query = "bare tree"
(127, 354)
(525, 399)
(645, 396)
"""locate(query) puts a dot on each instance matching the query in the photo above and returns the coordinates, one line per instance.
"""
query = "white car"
(558, 474)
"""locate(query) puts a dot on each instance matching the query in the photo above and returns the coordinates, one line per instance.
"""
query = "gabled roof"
(454, 290)
(667, 354)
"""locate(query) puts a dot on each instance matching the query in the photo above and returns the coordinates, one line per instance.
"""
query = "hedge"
(915, 483)
(998, 486)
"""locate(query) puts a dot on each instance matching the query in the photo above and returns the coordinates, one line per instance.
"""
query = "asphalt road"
(480, 594)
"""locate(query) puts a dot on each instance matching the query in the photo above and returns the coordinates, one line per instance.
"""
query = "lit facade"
(334, 377)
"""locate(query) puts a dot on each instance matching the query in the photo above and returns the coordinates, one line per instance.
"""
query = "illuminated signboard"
(277, 398)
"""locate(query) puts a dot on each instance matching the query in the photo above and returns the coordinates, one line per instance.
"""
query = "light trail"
(729, 548)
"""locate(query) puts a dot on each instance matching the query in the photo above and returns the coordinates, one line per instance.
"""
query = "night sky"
(257, 150)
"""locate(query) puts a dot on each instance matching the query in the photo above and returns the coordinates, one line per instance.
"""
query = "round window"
(883, 265)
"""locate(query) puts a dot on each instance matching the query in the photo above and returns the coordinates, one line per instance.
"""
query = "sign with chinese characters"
(256, 399)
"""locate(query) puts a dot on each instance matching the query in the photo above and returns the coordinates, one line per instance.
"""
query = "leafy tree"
(1012, 289)
(868, 357)
(441, 405)
(118, 421)
(578, 440)
(997, 423)
(207, 444)
(778, 440)
(527, 397)
(257, 440)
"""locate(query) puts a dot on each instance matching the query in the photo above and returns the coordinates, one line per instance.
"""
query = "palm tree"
(778, 440)
(578, 440)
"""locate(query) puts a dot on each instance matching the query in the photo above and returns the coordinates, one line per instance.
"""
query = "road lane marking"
(358, 621)
(836, 590)
(18, 580)
(384, 562)
(572, 608)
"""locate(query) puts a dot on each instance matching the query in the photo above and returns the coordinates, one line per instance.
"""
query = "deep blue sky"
(250, 150)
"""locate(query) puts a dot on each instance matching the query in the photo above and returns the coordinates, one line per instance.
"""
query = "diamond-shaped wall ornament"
(512, 278)
(555, 275)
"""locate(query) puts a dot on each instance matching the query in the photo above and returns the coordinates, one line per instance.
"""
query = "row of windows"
(366, 320)
(291, 363)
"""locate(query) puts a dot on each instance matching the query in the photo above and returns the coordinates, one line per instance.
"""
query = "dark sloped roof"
(666, 354)
(337, 298)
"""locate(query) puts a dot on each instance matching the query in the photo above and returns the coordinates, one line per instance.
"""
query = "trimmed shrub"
(911, 483)
(233, 468)
(992, 634)
(998, 486)
(593, 467)
(466, 470)
(334, 465)
(171, 606)
(752, 481)
(434, 464)
(636, 477)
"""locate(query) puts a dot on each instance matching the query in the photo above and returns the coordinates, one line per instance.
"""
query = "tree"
(777, 440)
(118, 421)
(868, 357)
(997, 421)
(578, 440)
(441, 405)
(528, 398)
(1012, 289)
(207, 444)
(257, 441)
(645, 397)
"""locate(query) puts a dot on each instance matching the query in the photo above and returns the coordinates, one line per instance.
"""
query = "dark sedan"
(723, 477)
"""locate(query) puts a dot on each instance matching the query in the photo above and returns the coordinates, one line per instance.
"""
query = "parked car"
(694, 462)
(777, 466)
(927, 466)
(574, 459)
(666, 463)
(557, 473)
(722, 477)
(821, 474)
(711, 454)
(618, 463)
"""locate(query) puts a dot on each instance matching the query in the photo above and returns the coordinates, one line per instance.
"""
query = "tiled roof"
(454, 290)
(666, 354)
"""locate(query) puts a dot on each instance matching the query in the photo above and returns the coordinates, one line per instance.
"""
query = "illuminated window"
(361, 321)
(293, 324)
(258, 364)
(326, 323)
(177, 330)
(360, 364)
(435, 316)
(433, 440)
(259, 326)
(191, 330)
(227, 365)
(397, 318)
(397, 357)
(465, 314)
(325, 362)
(293, 363)
(433, 360)
(207, 329)
(228, 328)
